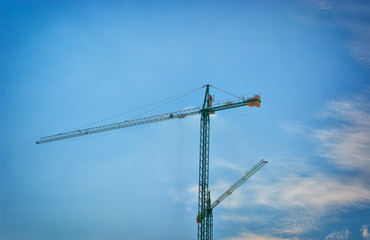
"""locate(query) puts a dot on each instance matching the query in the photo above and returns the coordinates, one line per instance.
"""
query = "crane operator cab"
(199, 219)
(210, 100)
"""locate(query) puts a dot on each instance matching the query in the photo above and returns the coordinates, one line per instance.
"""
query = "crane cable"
(168, 100)
(225, 91)
(179, 178)
(227, 182)
(172, 99)
(229, 213)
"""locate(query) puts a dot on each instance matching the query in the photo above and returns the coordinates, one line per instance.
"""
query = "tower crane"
(205, 221)
(208, 213)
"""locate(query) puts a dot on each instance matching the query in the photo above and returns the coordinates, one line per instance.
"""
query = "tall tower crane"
(208, 213)
(204, 220)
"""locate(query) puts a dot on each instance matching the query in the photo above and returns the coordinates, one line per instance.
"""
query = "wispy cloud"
(317, 193)
(304, 194)
(293, 128)
(304, 200)
(234, 218)
(226, 164)
(347, 144)
(365, 232)
(353, 17)
(297, 195)
(339, 235)
(188, 197)
(251, 236)
(346, 139)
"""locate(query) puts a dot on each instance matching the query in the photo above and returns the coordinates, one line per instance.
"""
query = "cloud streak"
(347, 145)
(318, 193)
(304, 200)
(228, 165)
(339, 235)
(298, 200)
(365, 232)
(353, 17)
(297, 195)
(252, 236)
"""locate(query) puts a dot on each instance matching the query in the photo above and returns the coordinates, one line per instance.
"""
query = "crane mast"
(204, 222)
(204, 218)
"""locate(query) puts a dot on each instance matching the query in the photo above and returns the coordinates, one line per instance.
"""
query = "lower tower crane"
(204, 202)
(208, 212)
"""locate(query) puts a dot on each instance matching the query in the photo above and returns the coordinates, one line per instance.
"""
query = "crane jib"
(118, 125)
(255, 101)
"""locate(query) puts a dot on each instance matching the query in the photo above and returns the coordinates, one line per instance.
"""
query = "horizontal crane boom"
(124, 124)
(255, 101)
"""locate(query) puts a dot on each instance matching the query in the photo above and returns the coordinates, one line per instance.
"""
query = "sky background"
(66, 65)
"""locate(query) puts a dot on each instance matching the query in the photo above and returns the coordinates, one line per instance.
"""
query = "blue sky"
(65, 65)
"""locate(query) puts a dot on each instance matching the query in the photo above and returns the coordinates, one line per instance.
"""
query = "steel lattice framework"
(205, 217)
(203, 196)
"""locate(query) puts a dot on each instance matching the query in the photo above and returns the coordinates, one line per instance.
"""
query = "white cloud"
(352, 109)
(293, 128)
(365, 232)
(312, 193)
(315, 193)
(346, 141)
(297, 195)
(299, 198)
(304, 200)
(234, 218)
(342, 235)
(251, 236)
(225, 164)
(353, 17)
(347, 144)
(189, 197)
(360, 47)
